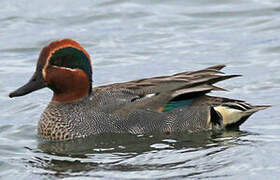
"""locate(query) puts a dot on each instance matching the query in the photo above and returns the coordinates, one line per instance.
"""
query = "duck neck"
(68, 85)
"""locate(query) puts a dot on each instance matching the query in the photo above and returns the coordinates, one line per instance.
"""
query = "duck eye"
(72, 58)
(66, 57)
(56, 62)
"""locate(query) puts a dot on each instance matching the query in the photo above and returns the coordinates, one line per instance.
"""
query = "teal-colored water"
(128, 40)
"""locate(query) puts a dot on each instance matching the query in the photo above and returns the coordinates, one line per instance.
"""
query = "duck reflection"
(112, 151)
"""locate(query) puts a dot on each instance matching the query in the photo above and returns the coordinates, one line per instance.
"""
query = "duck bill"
(35, 83)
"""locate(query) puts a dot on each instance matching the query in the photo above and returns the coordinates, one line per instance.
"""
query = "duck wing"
(162, 93)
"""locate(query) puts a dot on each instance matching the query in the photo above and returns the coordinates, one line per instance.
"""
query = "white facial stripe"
(53, 51)
(44, 73)
(69, 69)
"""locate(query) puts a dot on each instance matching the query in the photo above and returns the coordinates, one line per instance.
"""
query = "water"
(134, 39)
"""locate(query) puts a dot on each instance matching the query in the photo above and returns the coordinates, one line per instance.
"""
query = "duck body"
(163, 104)
(82, 119)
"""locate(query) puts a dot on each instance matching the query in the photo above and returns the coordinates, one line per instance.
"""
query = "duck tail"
(258, 108)
(233, 114)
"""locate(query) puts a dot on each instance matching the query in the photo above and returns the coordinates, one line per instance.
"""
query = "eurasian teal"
(163, 104)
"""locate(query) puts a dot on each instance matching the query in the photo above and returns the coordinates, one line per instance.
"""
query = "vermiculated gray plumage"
(137, 107)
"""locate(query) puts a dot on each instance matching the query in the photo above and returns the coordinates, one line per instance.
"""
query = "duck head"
(64, 67)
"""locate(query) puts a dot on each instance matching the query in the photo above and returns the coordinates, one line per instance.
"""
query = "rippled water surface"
(134, 39)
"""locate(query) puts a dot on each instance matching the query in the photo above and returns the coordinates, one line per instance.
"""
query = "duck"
(164, 104)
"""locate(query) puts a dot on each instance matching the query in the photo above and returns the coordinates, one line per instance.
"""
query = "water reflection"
(124, 152)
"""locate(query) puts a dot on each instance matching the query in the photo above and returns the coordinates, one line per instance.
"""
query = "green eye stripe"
(73, 58)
